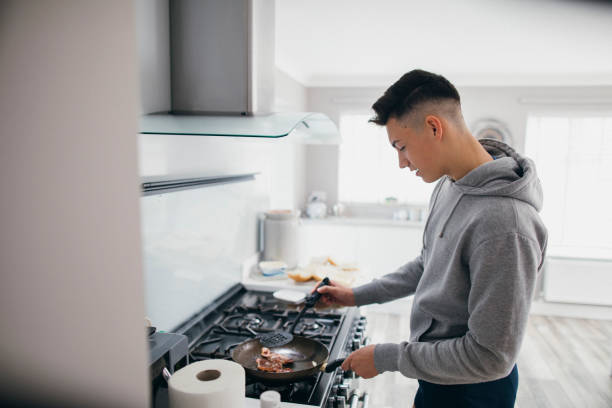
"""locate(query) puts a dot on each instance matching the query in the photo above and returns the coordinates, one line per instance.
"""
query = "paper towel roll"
(208, 384)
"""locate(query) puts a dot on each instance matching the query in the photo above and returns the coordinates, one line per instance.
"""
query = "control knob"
(343, 390)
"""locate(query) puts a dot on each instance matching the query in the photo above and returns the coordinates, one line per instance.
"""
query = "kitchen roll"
(208, 384)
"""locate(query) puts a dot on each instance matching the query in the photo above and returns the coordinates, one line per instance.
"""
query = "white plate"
(289, 296)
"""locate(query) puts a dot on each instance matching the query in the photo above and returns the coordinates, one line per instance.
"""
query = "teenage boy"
(483, 246)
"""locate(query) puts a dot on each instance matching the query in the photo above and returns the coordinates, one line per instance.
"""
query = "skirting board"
(571, 310)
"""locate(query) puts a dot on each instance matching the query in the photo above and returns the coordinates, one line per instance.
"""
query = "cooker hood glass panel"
(314, 128)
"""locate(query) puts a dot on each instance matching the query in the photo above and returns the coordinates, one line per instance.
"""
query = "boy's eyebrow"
(393, 144)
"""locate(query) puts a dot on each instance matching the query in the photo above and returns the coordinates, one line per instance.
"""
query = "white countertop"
(372, 221)
(272, 284)
(253, 281)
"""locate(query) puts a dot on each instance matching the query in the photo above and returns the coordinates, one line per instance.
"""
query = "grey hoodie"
(483, 247)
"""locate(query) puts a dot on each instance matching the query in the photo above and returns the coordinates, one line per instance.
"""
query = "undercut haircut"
(413, 90)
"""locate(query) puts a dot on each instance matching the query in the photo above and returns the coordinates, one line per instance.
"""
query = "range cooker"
(241, 314)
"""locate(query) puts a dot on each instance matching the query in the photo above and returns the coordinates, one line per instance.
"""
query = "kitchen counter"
(253, 281)
(370, 221)
(273, 283)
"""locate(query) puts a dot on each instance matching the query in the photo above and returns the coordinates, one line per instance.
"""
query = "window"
(368, 166)
(573, 154)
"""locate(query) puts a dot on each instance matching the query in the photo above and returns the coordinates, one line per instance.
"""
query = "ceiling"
(471, 42)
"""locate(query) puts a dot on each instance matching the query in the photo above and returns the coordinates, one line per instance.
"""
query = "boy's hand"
(335, 294)
(361, 362)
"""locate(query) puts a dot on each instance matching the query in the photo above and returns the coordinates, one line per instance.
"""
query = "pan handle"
(332, 365)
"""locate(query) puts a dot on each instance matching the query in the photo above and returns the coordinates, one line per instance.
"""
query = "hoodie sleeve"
(400, 283)
(503, 272)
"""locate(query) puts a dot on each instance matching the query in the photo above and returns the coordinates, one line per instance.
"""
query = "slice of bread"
(300, 275)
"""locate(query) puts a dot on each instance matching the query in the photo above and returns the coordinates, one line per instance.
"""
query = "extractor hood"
(222, 76)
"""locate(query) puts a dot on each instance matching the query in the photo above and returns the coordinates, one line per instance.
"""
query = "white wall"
(502, 103)
(279, 161)
(290, 94)
(71, 297)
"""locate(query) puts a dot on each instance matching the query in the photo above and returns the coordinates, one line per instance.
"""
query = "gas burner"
(247, 321)
(252, 320)
(312, 326)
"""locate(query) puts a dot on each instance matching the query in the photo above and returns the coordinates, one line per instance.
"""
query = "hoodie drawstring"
(450, 215)
(433, 206)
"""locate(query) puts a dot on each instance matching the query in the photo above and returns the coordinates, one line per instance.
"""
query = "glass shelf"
(316, 129)
(310, 128)
(305, 127)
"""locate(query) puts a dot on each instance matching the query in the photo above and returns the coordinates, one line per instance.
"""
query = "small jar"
(270, 399)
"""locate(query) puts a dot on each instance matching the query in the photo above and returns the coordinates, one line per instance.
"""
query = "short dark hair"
(411, 90)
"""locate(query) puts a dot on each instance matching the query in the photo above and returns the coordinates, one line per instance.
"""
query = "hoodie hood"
(509, 175)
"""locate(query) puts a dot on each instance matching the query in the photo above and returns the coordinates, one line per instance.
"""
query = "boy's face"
(416, 149)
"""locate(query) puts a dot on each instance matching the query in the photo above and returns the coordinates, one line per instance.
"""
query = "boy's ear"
(435, 125)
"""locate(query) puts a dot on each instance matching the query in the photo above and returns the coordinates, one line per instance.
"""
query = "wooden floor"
(563, 363)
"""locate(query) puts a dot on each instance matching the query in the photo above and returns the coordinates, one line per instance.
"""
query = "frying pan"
(309, 357)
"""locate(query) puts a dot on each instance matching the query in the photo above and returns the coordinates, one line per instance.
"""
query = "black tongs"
(310, 301)
(281, 338)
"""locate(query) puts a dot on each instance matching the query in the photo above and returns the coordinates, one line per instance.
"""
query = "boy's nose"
(403, 162)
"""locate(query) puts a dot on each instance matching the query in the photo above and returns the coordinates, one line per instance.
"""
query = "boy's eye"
(401, 149)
